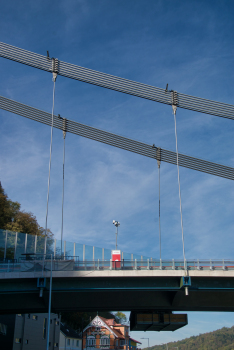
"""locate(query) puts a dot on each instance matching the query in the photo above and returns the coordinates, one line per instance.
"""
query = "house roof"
(136, 341)
(68, 331)
(109, 324)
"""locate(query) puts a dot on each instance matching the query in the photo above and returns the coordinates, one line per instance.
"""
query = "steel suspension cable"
(51, 141)
(116, 83)
(117, 140)
(159, 215)
(64, 137)
(178, 172)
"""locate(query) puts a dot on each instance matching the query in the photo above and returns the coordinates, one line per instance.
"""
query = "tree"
(120, 317)
(14, 219)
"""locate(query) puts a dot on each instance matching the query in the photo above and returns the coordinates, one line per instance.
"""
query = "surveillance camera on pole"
(116, 254)
(117, 224)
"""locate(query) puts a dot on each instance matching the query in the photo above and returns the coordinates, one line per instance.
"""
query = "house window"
(77, 343)
(34, 317)
(122, 342)
(68, 341)
(57, 323)
(26, 341)
(19, 315)
(18, 340)
(55, 345)
(91, 341)
(28, 315)
(105, 341)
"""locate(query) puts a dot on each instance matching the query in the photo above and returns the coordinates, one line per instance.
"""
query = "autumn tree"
(12, 218)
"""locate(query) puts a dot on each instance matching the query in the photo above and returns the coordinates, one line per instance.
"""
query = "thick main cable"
(117, 140)
(116, 83)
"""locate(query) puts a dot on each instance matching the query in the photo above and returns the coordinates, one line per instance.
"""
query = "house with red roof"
(102, 333)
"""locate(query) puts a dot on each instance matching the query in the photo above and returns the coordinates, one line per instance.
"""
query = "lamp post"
(148, 341)
(117, 224)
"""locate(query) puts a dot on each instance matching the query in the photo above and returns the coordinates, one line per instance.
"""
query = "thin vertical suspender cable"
(48, 190)
(159, 213)
(178, 171)
(64, 136)
(158, 157)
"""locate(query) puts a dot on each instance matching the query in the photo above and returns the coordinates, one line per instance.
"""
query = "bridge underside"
(21, 295)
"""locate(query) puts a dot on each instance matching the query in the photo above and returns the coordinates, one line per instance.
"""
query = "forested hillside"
(222, 339)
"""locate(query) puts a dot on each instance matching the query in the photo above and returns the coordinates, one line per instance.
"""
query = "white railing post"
(54, 247)
(110, 264)
(25, 243)
(173, 264)
(198, 264)
(83, 252)
(210, 264)
(98, 264)
(135, 264)
(16, 236)
(148, 264)
(160, 266)
(5, 245)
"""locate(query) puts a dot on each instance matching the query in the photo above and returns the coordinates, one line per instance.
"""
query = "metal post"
(64, 253)
(173, 264)
(5, 245)
(16, 236)
(49, 308)
(35, 245)
(83, 252)
(25, 242)
(93, 253)
(74, 250)
(54, 247)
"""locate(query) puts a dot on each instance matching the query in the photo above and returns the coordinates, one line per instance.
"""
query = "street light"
(148, 341)
(117, 224)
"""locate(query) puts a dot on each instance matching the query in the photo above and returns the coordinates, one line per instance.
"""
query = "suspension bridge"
(137, 283)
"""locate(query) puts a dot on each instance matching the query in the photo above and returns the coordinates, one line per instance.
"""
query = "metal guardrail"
(32, 265)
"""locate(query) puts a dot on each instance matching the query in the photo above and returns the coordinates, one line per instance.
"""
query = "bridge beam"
(21, 295)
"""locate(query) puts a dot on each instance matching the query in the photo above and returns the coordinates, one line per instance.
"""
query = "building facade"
(69, 339)
(102, 333)
(29, 332)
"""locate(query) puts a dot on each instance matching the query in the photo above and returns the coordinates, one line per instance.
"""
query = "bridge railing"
(37, 264)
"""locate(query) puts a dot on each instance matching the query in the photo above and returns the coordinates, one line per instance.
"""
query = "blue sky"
(188, 45)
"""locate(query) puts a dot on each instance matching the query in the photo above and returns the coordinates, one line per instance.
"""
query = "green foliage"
(222, 339)
(14, 219)
(120, 317)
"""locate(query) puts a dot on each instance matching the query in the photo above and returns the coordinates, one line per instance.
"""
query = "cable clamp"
(64, 127)
(158, 156)
(55, 66)
(174, 101)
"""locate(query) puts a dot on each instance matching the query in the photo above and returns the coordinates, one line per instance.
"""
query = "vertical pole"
(64, 253)
(116, 237)
(93, 252)
(16, 236)
(54, 248)
(25, 243)
(74, 250)
(103, 257)
(83, 252)
(5, 245)
(49, 308)
(35, 245)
